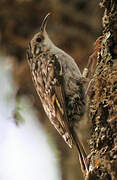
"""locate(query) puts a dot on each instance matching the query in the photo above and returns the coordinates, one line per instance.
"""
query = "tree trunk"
(103, 100)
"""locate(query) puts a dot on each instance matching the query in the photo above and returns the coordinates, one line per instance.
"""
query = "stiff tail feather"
(81, 152)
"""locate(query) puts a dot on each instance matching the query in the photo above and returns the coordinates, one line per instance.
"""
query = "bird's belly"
(74, 99)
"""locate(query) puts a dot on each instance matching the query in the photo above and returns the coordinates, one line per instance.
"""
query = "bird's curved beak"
(44, 23)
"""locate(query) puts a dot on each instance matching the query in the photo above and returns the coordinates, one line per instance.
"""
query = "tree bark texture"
(103, 100)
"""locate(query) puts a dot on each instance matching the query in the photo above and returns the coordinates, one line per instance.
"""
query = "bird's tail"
(81, 152)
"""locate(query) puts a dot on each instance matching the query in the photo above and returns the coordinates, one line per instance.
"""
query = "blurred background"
(30, 148)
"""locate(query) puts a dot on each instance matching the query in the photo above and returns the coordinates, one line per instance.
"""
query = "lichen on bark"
(103, 100)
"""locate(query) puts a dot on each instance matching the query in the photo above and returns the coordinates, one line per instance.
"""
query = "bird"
(59, 85)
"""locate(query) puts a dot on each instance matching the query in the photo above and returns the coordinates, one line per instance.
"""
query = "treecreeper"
(58, 82)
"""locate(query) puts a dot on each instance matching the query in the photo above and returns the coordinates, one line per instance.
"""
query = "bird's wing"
(57, 96)
(48, 79)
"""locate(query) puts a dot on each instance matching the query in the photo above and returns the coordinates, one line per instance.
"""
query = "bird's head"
(41, 42)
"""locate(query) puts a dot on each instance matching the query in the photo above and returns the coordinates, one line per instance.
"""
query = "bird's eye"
(39, 39)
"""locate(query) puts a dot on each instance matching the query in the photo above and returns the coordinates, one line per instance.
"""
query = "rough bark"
(103, 100)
